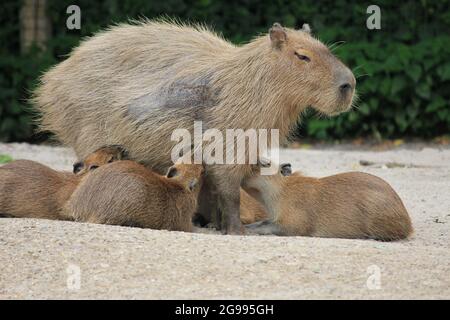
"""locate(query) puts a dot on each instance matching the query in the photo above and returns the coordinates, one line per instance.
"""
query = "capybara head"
(189, 175)
(312, 75)
(100, 157)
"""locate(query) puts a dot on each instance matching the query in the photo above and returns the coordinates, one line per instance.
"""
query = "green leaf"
(423, 90)
(414, 72)
(385, 87)
(444, 72)
(435, 105)
(4, 158)
(400, 120)
(398, 84)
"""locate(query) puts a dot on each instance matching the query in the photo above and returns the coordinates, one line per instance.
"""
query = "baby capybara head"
(101, 156)
(315, 77)
(189, 175)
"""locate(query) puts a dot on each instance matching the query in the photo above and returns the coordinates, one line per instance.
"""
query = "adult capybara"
(346, 205)
(134, 84)
(129, 194)
(29, 189)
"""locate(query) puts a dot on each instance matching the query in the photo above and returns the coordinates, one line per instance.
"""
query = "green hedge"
(403, 69)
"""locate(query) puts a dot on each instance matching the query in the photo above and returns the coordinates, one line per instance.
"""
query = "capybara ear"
(77, 167)
(172, 172)
(306, 28)
(286, 169)
(121, 152)
(278, 35)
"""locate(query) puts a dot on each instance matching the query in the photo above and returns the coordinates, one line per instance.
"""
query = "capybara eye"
(302, 57)
(77, 167)
(172, 172)
(93, 167)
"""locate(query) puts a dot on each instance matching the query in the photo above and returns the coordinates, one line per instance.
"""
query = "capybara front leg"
(229, 206)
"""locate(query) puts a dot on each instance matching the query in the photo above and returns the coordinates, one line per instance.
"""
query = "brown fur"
(347, 205)
(127, 193)
(100, 157)
(30, 189)
(251, 209)
(134, 84)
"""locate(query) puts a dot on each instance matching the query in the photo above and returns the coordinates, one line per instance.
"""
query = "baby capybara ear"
(285, 169)
(77, 167)
(119, 151)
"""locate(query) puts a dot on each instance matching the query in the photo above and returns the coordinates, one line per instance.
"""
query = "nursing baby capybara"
(104, 155)
(251, 209)
(29, 189)
(134, 84)
(127, 193)
(346, 205)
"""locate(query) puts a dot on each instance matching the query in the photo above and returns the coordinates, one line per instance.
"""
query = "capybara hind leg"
(265, 227)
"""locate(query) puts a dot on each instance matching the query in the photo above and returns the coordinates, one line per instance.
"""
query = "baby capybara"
(251, 209)
(100, 157)
(29, 189)
(346, 205)
(127, 193)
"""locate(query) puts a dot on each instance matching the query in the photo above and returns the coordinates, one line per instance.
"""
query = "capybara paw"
(211, 225)
(265, 227)
(234, 229)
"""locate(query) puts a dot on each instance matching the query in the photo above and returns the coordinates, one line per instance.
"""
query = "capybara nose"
(345, 87)
(346, 81)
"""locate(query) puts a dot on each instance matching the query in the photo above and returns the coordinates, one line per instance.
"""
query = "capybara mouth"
(333, 111)
(342, 106)
(342, 109)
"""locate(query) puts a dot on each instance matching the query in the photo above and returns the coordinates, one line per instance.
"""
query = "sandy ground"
(52, 259)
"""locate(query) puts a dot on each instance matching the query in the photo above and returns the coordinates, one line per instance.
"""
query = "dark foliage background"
(403, 69)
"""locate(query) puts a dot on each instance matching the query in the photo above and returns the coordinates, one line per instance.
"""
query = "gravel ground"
(53, 259)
